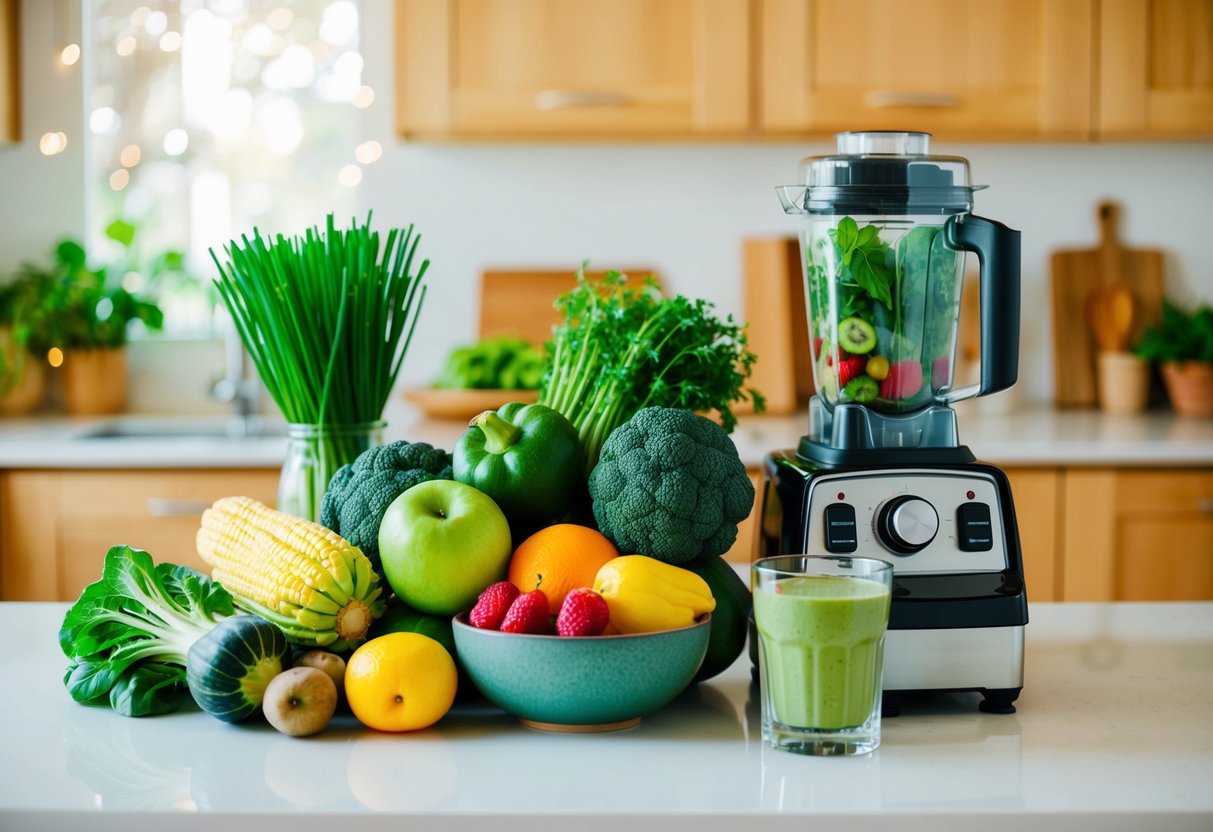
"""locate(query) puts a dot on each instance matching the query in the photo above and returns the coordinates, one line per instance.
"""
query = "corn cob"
(297, 574)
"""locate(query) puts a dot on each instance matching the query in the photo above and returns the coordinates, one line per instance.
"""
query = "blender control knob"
(906, 524)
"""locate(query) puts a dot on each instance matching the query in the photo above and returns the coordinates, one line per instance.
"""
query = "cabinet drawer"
(1164, 492)
(158, 511)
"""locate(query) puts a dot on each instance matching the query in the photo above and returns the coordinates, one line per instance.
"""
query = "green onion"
(326, 318)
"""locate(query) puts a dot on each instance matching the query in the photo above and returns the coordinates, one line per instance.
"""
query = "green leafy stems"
(327, 319)
(127, 636)
(620, 349)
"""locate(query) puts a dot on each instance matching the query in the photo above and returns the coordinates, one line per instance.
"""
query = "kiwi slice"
(855, 335)
(862, 389)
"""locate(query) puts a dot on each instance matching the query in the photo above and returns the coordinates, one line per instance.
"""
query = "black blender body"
(881, 472)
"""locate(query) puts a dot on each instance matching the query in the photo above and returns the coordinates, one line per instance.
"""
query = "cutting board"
(778, 332)
(523, 302)
(1076, 274)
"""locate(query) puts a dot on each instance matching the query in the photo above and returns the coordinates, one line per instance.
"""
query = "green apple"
(441, 543)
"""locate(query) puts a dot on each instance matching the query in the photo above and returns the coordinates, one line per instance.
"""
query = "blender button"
(840, 530)
(975, 532)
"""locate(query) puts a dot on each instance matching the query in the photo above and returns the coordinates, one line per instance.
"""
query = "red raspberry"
(903, 381)
(849, 368)
(492, 605)
(528, 614)
(583, 613)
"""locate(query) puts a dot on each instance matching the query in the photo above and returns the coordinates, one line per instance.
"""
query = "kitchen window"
(207, 118)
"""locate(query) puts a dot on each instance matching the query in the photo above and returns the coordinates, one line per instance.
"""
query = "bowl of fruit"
(578, 672)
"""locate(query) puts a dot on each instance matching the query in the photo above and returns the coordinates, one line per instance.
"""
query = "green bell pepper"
(527, 457)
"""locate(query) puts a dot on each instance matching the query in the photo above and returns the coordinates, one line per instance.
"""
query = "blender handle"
(997, 249)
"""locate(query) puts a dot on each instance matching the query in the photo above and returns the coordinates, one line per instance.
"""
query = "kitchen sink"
(170, 428)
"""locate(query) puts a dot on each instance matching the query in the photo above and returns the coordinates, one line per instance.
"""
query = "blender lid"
(884, 172)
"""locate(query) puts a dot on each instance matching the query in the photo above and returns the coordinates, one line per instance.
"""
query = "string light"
(170, 42)
(70, 54)
(364, 97)
(119, 179)
(126, 46)
(130, 155)
(350, 176)
(368, 152)
(52, 143)
(54, 357)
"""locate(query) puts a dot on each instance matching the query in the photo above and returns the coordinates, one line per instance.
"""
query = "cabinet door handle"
(547, 100)
(165, 507)
(883, 99)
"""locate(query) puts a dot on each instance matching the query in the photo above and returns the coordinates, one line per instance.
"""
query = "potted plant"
(74, 308)
(1182, 344)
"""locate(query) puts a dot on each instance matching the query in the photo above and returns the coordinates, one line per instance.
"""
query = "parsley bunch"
(621, 349)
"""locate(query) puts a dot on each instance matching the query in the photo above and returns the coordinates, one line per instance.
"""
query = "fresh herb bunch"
(621, 349)
(327, 317)
(1179, 336)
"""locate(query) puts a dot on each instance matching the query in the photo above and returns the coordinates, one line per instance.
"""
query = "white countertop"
(1039, 436)
(1114, 731)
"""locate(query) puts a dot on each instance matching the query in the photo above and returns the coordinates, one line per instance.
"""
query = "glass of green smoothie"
(821, 623)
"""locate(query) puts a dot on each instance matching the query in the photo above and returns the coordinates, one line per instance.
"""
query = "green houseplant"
(1182, 344)
(67, 305)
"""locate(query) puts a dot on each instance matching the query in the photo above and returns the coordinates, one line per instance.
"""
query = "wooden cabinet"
(589, 68)
(1035, 492)
(1138, 535)
(10, 67)
(1155, 68)
(1005, 68)
(55, 526)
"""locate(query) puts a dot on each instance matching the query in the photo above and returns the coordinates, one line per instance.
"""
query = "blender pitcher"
(885, 227)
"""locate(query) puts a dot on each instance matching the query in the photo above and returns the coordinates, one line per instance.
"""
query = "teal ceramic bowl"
(598, 683)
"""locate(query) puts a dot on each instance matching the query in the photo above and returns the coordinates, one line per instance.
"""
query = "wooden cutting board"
(523, 302)
(1076, 274)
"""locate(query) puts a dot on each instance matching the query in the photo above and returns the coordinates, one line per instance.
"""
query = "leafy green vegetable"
(128, 635)
(863, 254)
(503, 362)
(621, 349)
(1179, 336)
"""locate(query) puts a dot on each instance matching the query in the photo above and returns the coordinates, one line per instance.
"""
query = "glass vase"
(313, 455)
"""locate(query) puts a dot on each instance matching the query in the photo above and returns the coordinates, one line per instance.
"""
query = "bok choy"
(127, 636)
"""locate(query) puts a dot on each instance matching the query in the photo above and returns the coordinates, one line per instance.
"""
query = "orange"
(400, 682)
(558, 559)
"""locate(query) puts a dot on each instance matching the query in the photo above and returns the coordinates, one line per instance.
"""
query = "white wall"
(681, 209)
(42, 197)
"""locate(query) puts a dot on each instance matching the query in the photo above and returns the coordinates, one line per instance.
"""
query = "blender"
(881, 472)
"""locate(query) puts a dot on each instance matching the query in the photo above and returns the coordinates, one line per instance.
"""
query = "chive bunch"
(326, 318)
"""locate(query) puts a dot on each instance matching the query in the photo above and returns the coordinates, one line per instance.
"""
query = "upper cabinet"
(10, 102)
(990, 69)
(516, 68)
(1155, 68)
(1003, 70)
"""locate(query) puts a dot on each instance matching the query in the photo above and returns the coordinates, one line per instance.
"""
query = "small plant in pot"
(73, 308)
(1182, 344)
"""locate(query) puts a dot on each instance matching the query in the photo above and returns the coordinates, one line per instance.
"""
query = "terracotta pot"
(1190, 386)
(94, 381)
(25, 396)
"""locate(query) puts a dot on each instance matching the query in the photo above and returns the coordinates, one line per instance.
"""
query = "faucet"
(237, 386)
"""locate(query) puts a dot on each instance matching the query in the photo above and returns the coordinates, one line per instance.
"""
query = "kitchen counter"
(1113, 731)
(1040, 436)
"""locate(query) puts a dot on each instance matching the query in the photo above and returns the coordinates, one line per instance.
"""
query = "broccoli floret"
(669, 484)
(359, 493)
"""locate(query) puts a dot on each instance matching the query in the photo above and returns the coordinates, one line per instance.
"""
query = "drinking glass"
(821, 623)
